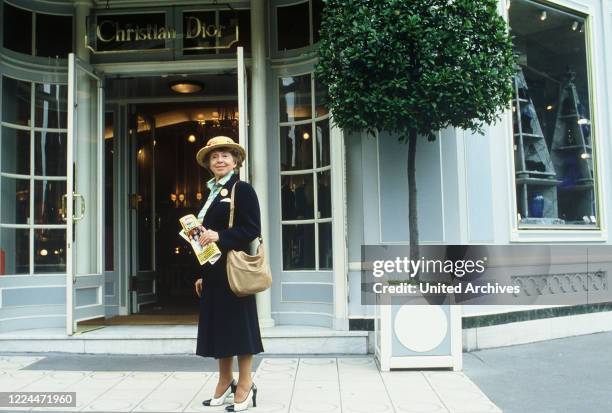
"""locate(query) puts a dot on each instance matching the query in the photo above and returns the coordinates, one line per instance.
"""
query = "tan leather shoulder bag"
(247, 274)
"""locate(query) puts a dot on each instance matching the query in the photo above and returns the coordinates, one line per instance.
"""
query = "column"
(258, 143)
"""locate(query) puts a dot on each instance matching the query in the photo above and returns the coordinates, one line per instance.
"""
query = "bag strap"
(231, 211)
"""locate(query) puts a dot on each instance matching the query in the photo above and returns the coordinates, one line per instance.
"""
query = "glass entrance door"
(83, 202)
(144, 220)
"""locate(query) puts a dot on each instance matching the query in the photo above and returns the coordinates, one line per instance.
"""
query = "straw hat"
(218, 142)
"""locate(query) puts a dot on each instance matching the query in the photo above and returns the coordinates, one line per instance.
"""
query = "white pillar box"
(418, 336)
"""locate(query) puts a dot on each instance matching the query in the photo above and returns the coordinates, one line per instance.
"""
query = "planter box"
(418, 336)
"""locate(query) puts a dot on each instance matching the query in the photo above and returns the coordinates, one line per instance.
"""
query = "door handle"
(64, 216)
(80, 217)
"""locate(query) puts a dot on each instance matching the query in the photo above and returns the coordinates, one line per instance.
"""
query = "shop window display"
(553, 137)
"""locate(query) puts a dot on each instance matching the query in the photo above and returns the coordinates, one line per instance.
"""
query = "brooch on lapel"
(224, 192)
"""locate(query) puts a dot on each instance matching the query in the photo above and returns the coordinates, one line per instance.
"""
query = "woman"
(228, 325)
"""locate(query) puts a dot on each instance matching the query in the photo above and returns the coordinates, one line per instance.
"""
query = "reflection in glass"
(322, 149)
(108, 191)
(554, 151)
(16, 246)
(60, 43)
(295, 98)
(49, 251)
(229, 19)
(50, 103)
(324, 194)
(15, 151)
(320, 99)
(297, 194)
(48, 202)
(17, 25)
(146, 227)
(195, 26)
(298, 247)
(50, 153)
(296, 147)
(15, 201)
(317, 8)
(325, 246)
(16, 98)
(293, 26)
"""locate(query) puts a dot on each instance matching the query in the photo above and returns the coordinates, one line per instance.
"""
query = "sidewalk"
(286, 384)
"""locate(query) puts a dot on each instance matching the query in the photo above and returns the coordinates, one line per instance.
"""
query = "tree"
(413, 67)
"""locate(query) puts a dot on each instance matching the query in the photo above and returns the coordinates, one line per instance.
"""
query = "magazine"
(192, 229)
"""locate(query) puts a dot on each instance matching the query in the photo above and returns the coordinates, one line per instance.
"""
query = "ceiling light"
(575, 25)
(306, 136)
(186, 86)
(549, 107)
(543, 15)
(191, 138)
(585, 156)
(44, 252)
(583, 121)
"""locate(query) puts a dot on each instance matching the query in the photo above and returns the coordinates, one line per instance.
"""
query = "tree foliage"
(415, 66)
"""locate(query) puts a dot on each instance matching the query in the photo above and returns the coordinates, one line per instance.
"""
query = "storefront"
(98, 155)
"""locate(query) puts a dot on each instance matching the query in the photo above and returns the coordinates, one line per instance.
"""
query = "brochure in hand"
(192, 229)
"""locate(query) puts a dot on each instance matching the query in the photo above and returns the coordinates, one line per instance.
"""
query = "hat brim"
(201, 155)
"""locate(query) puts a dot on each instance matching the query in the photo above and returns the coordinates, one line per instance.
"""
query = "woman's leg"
(245, 365)
(225, 375)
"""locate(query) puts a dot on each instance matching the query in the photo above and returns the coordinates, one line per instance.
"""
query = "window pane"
(49, 251)
(554, 157)
(16, 246)
(48, 202)
(51, 102)
(195, 26)
(324, 194)
(298, 247)
(296, 147)
(15, 151)
(322, 149)
(295, 98)
(60, 43)
(17, 29)
(320, 100)
(317, 7)
(325, 246)
(15, 201)
(293, 26)
(108, 191)
(241, 18)
(50, 153)
(16, 101)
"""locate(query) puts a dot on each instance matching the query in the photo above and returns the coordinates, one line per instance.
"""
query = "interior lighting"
(575, 25)
(549, 107)
(44, 252)
(191, 138)
(306, 136)
(543, 15)
(186, 86)
(583, 121)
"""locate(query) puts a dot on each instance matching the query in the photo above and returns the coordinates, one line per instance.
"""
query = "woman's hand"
(198, 287)
(209, 236)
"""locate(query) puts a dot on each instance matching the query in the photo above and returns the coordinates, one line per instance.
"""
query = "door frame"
(122, 235)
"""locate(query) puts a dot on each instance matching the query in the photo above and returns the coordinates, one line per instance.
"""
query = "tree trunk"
(413, 224)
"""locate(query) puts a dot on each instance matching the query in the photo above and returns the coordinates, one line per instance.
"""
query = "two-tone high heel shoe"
(243, 405)
(221, 399)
